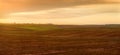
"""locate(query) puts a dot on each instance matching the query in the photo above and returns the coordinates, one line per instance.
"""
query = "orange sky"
(113, 1)
(89, 14)
(12, 5)
(21, 5)
(37, 9)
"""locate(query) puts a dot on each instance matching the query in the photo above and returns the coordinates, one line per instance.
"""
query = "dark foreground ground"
(61, 40)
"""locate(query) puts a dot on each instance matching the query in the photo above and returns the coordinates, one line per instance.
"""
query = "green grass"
(39, 28)
(36, 27)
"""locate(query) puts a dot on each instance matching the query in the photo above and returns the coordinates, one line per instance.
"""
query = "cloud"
(28, 5)
(89, 14)
(68, 12)
(11, 6)
(116, 1)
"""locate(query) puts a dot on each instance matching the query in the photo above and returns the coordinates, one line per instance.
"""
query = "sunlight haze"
(107, 13)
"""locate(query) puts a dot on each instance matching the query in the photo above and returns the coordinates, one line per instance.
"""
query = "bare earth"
(66, 40)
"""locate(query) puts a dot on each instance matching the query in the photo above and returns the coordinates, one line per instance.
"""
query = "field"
(36, 39)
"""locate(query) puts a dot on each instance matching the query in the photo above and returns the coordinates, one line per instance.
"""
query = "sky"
(60, 11)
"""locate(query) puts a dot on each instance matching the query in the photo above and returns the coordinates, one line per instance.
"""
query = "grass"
(40, 28)
(32, 39)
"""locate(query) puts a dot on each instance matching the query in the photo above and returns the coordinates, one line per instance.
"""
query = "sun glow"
(89, 14)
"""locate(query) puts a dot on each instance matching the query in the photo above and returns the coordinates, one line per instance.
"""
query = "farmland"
(36, 39)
